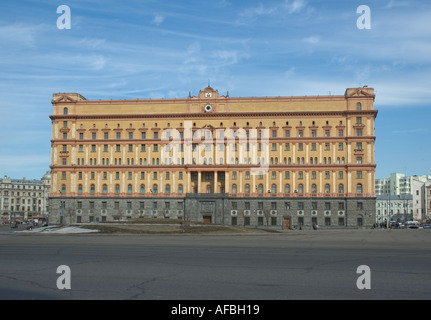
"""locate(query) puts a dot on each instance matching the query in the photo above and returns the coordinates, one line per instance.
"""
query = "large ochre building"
(280, 162)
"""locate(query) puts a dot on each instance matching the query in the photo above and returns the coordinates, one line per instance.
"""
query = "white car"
(411, 225)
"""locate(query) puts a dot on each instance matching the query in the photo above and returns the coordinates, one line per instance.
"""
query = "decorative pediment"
(67, 97)
(360, 92)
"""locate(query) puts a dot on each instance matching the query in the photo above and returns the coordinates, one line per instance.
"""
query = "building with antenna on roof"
(278, 162)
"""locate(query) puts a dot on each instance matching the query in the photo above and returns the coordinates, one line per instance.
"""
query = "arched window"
(247, 188)
(92, 188)
(340, 188)
(155, 188)
(358, 106)
(63, 188)
(273, 188)
(142, 188)
(301, 188)
(129, 188)
(79, 188)
(359, 188)
(65, 111)
(287, 188)
(180, 188)
(234, 189)
(117, 188)
(105, 188)
(168, 189)
(327, 188)
(313, 188)
(260, 188)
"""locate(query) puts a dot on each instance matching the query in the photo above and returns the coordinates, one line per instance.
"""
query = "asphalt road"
(293, 265)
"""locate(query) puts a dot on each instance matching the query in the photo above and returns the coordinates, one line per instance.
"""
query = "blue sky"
(166, 49)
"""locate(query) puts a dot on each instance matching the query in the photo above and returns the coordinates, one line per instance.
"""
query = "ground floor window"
(247, 221)
(327, 221)
(234, 221)
(341, 221)
(301, 221)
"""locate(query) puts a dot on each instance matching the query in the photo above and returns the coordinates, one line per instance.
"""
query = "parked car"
(411, 225)
(427, 226)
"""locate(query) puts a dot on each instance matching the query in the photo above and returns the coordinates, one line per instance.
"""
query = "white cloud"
(99, 62)
(158, 19)
(393, 3)
(295, 5)
(312, 40)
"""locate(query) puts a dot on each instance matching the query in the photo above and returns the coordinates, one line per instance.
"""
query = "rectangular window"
(106, 135)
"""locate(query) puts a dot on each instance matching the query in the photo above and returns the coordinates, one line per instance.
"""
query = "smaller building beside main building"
(23, 200)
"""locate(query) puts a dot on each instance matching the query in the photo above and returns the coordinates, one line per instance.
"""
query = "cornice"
(272, 114)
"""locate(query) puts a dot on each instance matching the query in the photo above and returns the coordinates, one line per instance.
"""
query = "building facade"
(281, 162)
(24, 200)
(397, 208)
(398, 184)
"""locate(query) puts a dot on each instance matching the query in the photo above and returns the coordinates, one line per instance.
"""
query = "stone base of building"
(267, 212)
